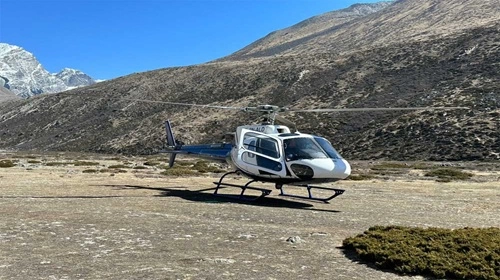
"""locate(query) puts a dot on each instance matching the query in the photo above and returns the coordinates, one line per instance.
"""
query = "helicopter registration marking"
(258, 128)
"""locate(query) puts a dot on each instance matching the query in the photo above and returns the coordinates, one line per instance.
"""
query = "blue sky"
(111, 38)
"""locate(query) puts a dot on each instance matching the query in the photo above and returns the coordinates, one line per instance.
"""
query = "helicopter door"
(259, 154)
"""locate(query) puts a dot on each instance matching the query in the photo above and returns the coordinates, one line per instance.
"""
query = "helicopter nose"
(330, 168)
(342, 168)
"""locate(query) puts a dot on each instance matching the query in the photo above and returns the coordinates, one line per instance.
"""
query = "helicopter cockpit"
(298, 148)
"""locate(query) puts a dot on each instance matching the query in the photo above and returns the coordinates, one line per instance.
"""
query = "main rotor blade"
(185, 104)
(374, 109)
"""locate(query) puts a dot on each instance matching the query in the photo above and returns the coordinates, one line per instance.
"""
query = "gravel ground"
(57, 222)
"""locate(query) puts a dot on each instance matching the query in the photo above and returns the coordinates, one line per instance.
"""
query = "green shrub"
(115, 170)
(179, 171)
(56, 163)
(390, 165)
(31, 157)
(6, 163)
(400, 165)
(140, 167)
(449, 174)
(204, 167)
(90, 171)
(468, 253)
(114, 158)
(85, 163)
(360, 177)
(184, 163)
(117, 166)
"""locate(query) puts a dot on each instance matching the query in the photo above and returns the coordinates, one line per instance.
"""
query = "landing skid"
(265, 192)
(245, 187)
(336, 192)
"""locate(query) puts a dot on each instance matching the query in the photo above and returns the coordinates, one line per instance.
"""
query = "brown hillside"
(456, 66)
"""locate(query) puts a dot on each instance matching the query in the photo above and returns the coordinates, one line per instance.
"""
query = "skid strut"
(245, 187)
(336, 192)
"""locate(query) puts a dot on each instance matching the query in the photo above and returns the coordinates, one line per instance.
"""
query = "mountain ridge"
(395, 22)
(294, 34)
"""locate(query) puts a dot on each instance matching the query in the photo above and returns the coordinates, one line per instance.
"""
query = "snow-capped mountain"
(74, 78)
(25, 76)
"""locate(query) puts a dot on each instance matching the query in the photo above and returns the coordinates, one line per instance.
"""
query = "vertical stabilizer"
(170, 134)
(170, 142)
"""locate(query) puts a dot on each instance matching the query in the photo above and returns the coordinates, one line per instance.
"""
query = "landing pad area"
(60, 221)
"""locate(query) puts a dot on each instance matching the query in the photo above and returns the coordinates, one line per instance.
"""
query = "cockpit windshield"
(302, 148)
(327, 147)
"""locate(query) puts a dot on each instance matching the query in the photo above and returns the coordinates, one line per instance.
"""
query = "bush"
(85, 163)
(204, 167)
(90, 171)
(140, 167)
(467, 253)
(179, 171)
(56, 163)
(390, 165)
(6, 163)
(360, 177)
(449, 174)
(115, 170)
(117, 166)
(190, 169)
(184, 163)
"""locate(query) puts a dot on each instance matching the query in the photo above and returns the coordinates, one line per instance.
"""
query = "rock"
(294, 240)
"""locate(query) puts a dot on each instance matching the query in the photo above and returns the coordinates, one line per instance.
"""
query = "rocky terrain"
(101, 217)
(363, 27)
(6, 94)
(409, 53)
(292, 38)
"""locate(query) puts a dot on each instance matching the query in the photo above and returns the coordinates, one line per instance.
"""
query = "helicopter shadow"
(205, 197)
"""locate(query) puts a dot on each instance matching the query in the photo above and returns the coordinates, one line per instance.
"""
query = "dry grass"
(62, 222)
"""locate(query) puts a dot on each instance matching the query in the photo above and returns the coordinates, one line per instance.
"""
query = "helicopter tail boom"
(216, 152)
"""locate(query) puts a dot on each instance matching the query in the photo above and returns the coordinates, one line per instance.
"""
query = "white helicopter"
(272, 153)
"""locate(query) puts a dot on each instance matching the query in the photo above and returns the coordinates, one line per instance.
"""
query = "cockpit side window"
(261, 144)
(268, 147)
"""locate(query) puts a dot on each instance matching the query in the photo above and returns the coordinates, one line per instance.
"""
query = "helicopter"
(273, 153)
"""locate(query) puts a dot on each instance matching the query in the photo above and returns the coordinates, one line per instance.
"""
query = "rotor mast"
(269, 112)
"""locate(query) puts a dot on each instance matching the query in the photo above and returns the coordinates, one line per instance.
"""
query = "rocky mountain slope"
(26, 77)
(448, 69)
(378, 25)
(74, 78)
(6, 94)
(282, 41)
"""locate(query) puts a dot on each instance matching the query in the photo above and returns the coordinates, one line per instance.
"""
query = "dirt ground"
(59, 222)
